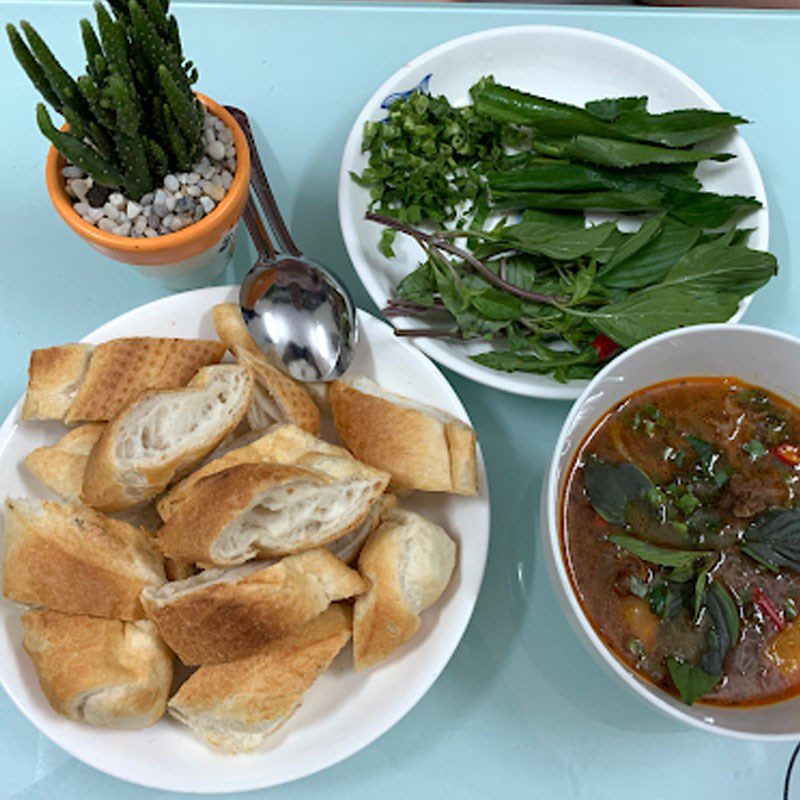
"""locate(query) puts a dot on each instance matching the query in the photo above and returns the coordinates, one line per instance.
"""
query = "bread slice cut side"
(281, 444)
(99, 671)
(298, 515)
(277, 398)
(162, 435)
(54, 375)
(222, 615)
(409, 562)
(268, 510)
(237, 705)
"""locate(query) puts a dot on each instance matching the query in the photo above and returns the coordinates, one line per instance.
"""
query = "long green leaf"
(663, 556)
(622, 155)
(611, 488)
(691, 681)
(652, 261)
(657, 309)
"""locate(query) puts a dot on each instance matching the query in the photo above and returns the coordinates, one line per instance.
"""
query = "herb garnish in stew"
(681, 529)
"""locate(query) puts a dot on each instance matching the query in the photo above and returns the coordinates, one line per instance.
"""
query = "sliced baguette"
(54, 375)
(99, 671)
(72, 559)
(348, 547)
(421, 447)
(281, 444)
(236, 706)
(61, 467)
(162, 435)
(122, 369)
(408, 561)
(269, 510)
(222, 615)
(277, 397)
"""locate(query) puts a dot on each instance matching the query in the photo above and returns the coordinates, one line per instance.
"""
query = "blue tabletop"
(522, 710)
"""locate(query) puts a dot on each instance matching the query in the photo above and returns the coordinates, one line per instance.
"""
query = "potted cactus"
(143, 168)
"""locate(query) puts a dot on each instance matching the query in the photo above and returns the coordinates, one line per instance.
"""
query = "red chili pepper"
(769, 609)
(605, 347)
(788, 453)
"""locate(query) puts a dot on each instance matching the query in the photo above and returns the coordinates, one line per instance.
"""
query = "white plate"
(566, 64)
(344, 711)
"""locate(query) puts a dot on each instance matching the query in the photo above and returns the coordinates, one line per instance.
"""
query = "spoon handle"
(257, 231)
(258, 180)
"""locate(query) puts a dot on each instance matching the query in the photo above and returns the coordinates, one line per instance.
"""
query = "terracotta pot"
(188, 258)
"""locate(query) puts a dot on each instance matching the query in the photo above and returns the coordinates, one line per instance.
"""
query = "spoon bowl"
(296, 310)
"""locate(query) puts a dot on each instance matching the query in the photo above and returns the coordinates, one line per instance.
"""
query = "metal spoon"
(296, 310)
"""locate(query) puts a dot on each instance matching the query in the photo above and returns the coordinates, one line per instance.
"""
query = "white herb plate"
(344, 711)
(566, 64)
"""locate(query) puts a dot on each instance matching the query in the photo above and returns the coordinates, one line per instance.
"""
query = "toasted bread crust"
(54, 376)
(289, 397)
(61, 466)
(215, 501)
(411, 445)
(224, 621)
(382, 620)
(77, 655)
(121, 369)
(105, 488)
(72, 559)
(268, 685)
(408, 562)
(281, 444)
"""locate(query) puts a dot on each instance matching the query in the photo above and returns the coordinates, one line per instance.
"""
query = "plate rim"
(63, 741)
(502, 381)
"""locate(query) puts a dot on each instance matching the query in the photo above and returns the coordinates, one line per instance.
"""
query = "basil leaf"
(722, 268)
(635, 243)
(657, 309)
(774, 540)
(497, 305)
(691, 681)
(664, 556)
(611, 488)
(574, 366)
(553, 241)
(653, 260)
(724, 632)
(418, 286)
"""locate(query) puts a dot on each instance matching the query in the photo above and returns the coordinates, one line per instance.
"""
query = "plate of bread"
(218, 579)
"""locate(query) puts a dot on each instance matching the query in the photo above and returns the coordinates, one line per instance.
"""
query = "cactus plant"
(132, 115)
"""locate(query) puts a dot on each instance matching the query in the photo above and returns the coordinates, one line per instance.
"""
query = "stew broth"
(679, 535)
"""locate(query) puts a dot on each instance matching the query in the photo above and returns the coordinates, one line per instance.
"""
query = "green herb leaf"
(553, 241)
(724, 631)
(656, 309)
(609, 108)
(611, 488)
(603, 151)
(774, 539)
(691, 681)
(664, 556)
(755, 449)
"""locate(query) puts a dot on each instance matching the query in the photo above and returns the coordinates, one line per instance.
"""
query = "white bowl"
(756, 355)
(567, 64)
